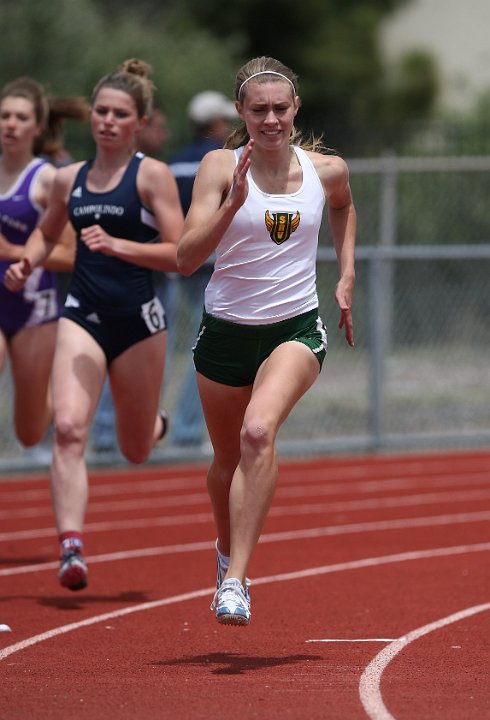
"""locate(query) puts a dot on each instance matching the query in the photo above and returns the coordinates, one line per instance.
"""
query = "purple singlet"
(37, 302)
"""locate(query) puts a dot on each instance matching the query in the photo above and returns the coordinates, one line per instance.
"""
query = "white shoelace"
(231, 591)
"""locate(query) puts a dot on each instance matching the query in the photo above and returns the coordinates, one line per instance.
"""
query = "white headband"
(265, 72)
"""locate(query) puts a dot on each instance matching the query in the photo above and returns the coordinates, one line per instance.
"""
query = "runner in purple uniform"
(27, 317)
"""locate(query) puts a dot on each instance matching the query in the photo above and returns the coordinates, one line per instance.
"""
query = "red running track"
(370, 597)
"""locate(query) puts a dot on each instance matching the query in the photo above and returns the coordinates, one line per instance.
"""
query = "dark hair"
(61, 109)
(32, 90)
(49, 111)
(271, 70)
(133, 78)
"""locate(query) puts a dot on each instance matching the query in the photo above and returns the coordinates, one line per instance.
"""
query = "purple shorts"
(36, 304)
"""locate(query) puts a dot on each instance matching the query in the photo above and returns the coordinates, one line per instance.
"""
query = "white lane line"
(369, 686)
(285, 490)
(373, 486)
(379, 526)
(115, 556)
(201, 498)
(276, 511)
(61, 630)
(394, 501)
(281, 577)
(351, 640)
(99, 489)
(309, 533)
(377, 561)
(108, 526)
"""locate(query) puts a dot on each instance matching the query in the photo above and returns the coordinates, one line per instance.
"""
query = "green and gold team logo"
(280, 225)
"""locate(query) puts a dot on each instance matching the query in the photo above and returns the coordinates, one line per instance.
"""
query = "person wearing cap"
(211, 114)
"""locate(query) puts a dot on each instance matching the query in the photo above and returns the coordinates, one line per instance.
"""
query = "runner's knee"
(256, 435)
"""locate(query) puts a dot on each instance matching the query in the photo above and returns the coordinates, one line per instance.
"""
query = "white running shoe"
(231, 603)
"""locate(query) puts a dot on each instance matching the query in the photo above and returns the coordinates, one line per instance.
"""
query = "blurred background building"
(455, 34)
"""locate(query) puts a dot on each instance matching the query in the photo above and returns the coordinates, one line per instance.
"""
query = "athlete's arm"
(62, 257)
(158, 191)
(334, 175)
(51, 239)
(220, 189)
(9, 251)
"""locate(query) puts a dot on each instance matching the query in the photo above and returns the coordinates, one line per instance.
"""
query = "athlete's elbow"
(184, 268)
(185, 265)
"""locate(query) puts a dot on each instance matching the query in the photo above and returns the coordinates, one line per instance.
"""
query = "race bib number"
(45, 305)
(153, 314)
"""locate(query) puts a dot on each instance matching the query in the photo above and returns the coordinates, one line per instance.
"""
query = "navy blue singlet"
(100, 282)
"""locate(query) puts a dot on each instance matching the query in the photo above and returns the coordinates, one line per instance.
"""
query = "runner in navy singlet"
(126, 212)
(27, 317)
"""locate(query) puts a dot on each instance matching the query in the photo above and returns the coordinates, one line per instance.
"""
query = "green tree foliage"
(411, 88)
(333, 45)
(347, 92)
(69, 44)
(51, 41)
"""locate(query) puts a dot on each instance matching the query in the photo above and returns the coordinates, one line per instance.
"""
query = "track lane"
(367, 506)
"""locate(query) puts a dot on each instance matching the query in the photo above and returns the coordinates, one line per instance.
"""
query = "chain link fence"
(419, 375)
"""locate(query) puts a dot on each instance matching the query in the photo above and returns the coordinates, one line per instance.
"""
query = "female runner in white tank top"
(258, 204)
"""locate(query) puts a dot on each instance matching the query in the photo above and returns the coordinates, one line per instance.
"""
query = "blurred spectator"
(155, 135)
(211, 114)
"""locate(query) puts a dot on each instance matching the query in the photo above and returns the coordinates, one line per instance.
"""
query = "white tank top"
(265, 269)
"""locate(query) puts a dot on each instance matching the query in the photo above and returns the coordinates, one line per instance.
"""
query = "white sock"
(224, 560)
